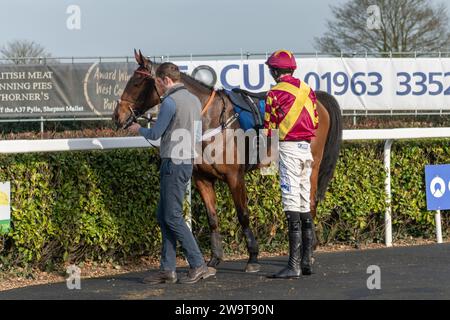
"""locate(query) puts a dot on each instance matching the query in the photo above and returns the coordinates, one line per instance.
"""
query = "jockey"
(291, 110)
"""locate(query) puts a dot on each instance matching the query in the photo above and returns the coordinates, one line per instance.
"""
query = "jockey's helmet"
(282, 59)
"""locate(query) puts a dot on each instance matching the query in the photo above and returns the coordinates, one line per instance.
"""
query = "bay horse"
(141, 94)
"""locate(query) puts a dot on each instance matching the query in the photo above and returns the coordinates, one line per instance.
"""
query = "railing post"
(388, 213)
(437, 218)
(42, 127)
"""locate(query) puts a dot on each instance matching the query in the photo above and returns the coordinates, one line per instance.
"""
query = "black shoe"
(161, 277)
(286, 273)
(292, 271)
(196, 274)
(307, 247)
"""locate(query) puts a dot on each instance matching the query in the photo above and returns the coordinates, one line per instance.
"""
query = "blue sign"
(437, 179)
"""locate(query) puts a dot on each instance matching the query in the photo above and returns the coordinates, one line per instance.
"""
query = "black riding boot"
(295, 239)
(307, 249)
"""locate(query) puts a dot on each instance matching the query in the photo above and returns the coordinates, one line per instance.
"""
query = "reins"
(209, 102)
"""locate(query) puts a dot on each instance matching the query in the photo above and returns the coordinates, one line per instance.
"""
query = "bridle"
(134, 115)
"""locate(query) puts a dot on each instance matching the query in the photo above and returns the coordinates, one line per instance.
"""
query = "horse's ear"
(145, 61)
(138, 57)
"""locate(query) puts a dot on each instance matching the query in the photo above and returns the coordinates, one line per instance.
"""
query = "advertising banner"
(83, 89)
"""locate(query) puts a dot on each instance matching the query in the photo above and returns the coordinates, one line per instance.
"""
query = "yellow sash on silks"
(302, 100)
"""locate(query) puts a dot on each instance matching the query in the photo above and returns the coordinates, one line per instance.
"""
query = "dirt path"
(414, 272)
(18, 278)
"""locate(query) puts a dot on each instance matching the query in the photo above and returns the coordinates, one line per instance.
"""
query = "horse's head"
(139, 95)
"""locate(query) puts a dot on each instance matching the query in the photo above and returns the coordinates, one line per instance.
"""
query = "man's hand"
(134, 127)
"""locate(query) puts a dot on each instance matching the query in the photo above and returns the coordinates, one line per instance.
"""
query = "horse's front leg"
(236, 183)
(206, 188)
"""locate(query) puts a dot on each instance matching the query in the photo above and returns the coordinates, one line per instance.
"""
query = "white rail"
(388, 135)
(52, 145)
(396, 134)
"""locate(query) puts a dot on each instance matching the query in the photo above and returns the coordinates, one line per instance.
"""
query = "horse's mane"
(191, 80)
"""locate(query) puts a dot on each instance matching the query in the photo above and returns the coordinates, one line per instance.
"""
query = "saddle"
(249, 106)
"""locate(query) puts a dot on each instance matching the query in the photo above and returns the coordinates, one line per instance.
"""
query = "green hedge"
(100, 205)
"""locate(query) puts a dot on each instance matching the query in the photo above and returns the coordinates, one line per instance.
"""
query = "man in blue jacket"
(180, 113)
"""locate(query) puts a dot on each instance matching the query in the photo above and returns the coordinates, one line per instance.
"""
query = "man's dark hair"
(168, 69)
(278, 72)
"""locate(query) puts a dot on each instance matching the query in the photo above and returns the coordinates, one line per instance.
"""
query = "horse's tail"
(333, 144)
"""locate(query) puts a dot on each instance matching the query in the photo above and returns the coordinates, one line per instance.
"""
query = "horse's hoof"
(252, 267)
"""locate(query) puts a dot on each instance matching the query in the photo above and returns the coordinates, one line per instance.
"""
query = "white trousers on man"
(295, 165)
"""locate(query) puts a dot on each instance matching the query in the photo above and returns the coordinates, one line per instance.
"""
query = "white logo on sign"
(437, 187)
(85, 88)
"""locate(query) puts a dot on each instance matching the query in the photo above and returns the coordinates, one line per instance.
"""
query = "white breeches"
(295, 173)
